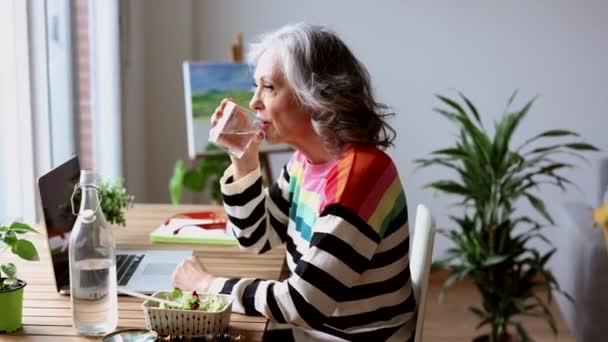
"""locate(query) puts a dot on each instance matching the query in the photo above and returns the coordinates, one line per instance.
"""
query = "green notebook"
(186, 231)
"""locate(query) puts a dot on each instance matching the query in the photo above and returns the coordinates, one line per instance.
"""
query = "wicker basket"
(186, 322)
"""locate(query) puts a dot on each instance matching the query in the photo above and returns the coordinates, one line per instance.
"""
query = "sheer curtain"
(17, 164)
(106, 108)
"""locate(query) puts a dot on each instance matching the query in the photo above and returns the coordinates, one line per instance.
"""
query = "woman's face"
(275, 103)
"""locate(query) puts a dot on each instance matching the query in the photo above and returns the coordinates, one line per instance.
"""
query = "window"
(51, 86)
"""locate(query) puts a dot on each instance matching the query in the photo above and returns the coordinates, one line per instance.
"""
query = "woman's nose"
(255, 103)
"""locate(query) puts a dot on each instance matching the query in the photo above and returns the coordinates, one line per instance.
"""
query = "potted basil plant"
(11, 287)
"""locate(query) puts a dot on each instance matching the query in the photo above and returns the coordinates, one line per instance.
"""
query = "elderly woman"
(338, 205)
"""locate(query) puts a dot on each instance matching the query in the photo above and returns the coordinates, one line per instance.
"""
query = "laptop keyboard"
(126, 264)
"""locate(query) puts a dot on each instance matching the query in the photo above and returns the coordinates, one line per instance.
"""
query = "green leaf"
(453, 152)
(471, 107)
(25, 250)
(449, 115)
(9, 237)
(539, 205)
(511, 99)
(451, 103)
(454, 277)
(9, 270)
(548, 315)
(553, 167)
(478, 312)
(9, 281)
(547, 256)
(193, 180)
(523, 334)
(175, 184)
(494, 260)
(582, 147)
(449, 187)
(21, 228)
(549, 134)
(175, 294)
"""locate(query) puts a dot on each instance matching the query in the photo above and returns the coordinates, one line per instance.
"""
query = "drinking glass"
(235, 129)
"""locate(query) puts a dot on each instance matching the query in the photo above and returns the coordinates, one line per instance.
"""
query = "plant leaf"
(478, 312)
(471, 107)
(26, 250)
(523, 334)
(549, 134)
(454, 277)
(9, 281)
(452, 152)
(582, 147)
(539, 205)
(451, 103)
(449, 187)
(494, 260)
(21, 228)
(193, 180)
(511, 99)
(175, 183)
(9, 238)
(9, 270)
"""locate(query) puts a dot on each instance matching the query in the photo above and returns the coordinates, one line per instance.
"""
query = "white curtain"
(106, 87)
(17, 162)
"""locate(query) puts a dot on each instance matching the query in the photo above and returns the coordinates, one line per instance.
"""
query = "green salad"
(192, 301)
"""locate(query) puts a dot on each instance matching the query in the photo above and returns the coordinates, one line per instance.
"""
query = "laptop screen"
(56, 188)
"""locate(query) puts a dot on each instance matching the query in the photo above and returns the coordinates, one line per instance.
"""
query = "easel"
(236, 55)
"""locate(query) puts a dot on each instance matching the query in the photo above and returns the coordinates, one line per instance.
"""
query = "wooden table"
(47, 314)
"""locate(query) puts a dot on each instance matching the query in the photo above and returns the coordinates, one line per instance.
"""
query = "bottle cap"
(89, 178)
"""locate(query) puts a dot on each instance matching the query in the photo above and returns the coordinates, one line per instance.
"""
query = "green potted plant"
(491, 238)
(208, 172)
(11, 287)
(114, 201)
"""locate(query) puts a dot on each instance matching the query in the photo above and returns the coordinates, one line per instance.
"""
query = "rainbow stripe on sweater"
(364, 180)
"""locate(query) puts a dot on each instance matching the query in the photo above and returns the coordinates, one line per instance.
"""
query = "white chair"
(420, 262)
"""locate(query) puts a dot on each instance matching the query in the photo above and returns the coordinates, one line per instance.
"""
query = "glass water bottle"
(92, 263)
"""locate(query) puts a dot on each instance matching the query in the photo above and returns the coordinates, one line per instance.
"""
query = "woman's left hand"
(191, 275)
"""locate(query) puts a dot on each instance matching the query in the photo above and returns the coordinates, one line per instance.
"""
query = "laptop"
(144, 271)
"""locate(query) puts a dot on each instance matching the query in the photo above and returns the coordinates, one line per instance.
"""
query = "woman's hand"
(250, 160)
(191, 275)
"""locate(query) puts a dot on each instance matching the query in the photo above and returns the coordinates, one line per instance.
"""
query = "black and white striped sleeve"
(342, 247)
(258, 217)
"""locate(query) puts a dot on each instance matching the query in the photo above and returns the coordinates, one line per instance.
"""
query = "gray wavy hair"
(329, 81)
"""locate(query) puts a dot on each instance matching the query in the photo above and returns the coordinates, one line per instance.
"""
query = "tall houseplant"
(491, 241)
(11, 287)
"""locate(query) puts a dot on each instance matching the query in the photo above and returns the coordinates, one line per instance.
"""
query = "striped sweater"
(344, 224)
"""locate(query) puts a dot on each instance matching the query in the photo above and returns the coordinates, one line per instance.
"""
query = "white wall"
(555, 49)
(133, 65)
(156, 42)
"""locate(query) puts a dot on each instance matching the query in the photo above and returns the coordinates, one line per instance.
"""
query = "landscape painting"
(205, 85)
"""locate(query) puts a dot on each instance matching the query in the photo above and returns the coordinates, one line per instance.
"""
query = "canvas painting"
(205, 85)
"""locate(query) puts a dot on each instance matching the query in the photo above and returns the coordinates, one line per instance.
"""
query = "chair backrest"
(421, 252)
